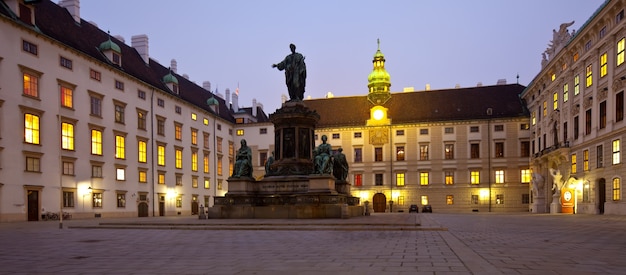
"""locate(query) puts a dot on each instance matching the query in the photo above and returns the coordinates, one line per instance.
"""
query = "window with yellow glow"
(205, 162)
(552, 76)
(31, 128)
(207, 184)
(219, 166)
(575, 57)
(178, 131)
(423, 152)
(588, 76)
(231, 149)
(533, 117)
(194, 116)
(545, 109)
(576, 85)
(620, 51)
(499, 176)
(616, 152)
(160, 155)
(31, 87)
(424, 200)
(573, 162)
(194, 137)
(142, 151)
(240, 132)
(219, 184)
(565, 92)
(161, 178)
(205, 121)
(474, 177)
(194, 182)
(120, 147)
(143, 176)
(96, 142)
(555, 101)
(603, 65)
(617, 189)
(219, 144)
(194, 161)
(449, 199)
(66, 97)
(399, 179)
(67, 136)
(586, 160)
(449, 151)
(230, 166)
(449, 177)
(526, 175)
(423, 178)
(179, 158)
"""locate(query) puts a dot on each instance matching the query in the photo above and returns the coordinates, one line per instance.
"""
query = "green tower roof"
(110, 45)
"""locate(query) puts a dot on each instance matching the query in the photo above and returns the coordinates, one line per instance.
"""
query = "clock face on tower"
(567, 196)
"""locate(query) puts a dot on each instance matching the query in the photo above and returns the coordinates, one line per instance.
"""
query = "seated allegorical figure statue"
(323, 158)
(268, 165)
(243, 162)
(340, 165)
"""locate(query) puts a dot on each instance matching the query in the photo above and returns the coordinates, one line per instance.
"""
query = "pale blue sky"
(442, 42)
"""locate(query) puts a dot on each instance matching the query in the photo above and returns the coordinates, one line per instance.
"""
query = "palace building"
(577, 127)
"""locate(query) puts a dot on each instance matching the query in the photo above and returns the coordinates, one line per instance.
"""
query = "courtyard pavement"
(383, 243)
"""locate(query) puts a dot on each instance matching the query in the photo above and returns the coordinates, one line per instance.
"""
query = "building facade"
(577, 117)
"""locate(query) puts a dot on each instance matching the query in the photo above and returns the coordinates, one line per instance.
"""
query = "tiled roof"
(425, 106)
(57, 23)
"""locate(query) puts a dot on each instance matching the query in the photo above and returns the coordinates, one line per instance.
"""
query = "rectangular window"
(423, 131)
(474, 177)
(620, 51)
(399, 179)
(33, 164)
(119, 113)
(95, 75)
(141, 94)
(400, 153)
(96, 200)
(619, 17)
(120, 173)
(143, 176)
(66, 97)
(68, 168)
(448, 130)
(68, 199)
(161, 178)
(239, 132)
(161, 126)
(358, 135)
(545, 109)
(474, 129)
(96, 105)
(617, 158)
(378, 154)
(424, 178)
(263, 131)
(588, 122)
(585, 160)
(474, 150)
(499, 176)
(29, 47)
(555, 101)
(424, 200)
(599, 156)
(205, 140)
(120, 147)
(603, 65)
(474, 199)
(67, 136)
(573, 161)
(588, 76)
(576, 127)
(194, 161)
(194, 137)
(96, 142)
(499, 149)
(358, 155)
(619, 106)
(177, 109)
(31, 85)
(449, 177)
(179, 158)
(358, 179)
(602, 115)
(205, 162)
(576, 85)
(602, 32)
(587, 45)
(121, 200)
(336, 136)
(96, 171)
(565, 92)
(119, 85)
(525, 149)
(533, 117)
(565, 131)
(524, 126)
(65, 62)
(142, 151)
(378, 179)
(525, 175)
(449, 199)
(179, 202)
(31, 128)
(219, 166)
(617, 189)
(141, 120)
(178, 131)
(499, 198)
(207, 183)
(498, 128)
(424, 152)
(179, 180)
(399, 132)
(194, 182)
(449, 151)
(160, 102)
(219, 144)
(525, 198)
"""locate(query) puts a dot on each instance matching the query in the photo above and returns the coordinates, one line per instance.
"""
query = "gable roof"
(425, 106)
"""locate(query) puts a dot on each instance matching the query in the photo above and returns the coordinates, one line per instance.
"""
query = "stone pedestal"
(539, 205)
(322, 184)
(555, 206)
(342, 187)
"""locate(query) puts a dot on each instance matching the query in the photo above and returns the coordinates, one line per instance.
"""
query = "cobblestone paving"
(476, 243)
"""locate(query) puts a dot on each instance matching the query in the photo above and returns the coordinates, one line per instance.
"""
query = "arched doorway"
(142, 209)
(601, 195)
(380, 202)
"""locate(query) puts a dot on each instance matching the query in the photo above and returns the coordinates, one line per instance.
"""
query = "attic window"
(117, 59)
(29, 47)
(175, 88)
(26, 14)
(239, 120)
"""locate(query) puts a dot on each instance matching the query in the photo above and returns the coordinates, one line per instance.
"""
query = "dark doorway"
(161, 208)
(194, 208)
(142, 209)
(33, 205)
(601, 195)
(380, 202)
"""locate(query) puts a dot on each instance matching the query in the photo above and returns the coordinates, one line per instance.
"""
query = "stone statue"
(295, 74)
(268, 165)
(557, 183)
(559, 39)
(322, 158)
(538, 184)
(340, 166)
(243, 163)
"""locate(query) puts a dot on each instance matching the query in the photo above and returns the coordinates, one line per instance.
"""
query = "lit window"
(205, 121)
(358, 179)
(161, 178)
(120, 147)
(179, 158)
(240, 132)
(545, 109)
(67, 136)
(449, 199)
(143, 176)
(475, 177)
(617, 187)
(573, 161)
(576, 85)
(96, 142)
(119, 113)
(31, 128)
(499, 198)
(231, 148)
(499, 176)
(575, 57)
(120, 173)
(66, 97)
(526, 175)
(178, 131)
(205, 162)
(179, 202)
(31, 87)
(194, 116)
(194, 161)
(620, 51)
(194, 182)
(400, 179)
(207, 184)
(141, 120)
(423, 178)
(449, 175)
(142, 151)
(97, 200)
(588, 76)
(423, 152)
(400, 153)
(616, 152)
(565, 92)
(555, 101)
(552, 76)
(449, 151)
(194, 136)
(586, 160)
(603, 65)
(424, 200)
(219, 166)
(121, 200)
(533, 117)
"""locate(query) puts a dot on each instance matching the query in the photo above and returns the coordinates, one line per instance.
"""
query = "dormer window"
(117, 59)
(26, 14)
(112, 51)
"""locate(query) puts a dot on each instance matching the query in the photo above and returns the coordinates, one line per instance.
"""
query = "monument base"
(322, 211)
(539, 205)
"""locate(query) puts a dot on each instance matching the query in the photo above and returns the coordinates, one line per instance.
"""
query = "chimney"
(479, 84)
(140, 43)
(501, 81)
(227, 97)
(173, 65)
(235, 102)
(254, 104)
(120, 38)
(73, 7)
(186, 76)
(457, 86)
(427, 88)
(408, 89)
(206, 85)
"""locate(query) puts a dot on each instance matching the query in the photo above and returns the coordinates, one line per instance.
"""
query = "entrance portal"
(601, 195)
(33, 205)
(142, 209)
(380, 202)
